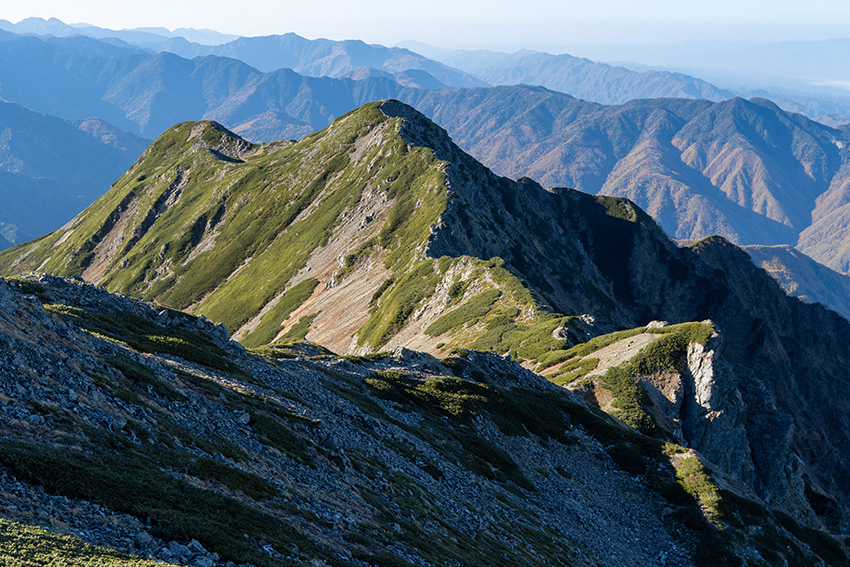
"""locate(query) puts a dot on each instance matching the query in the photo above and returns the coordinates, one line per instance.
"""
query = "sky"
(469, 23)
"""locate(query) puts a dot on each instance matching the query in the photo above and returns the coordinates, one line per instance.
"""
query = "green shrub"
(177, 510)
(146, 336)
(695, 479)
(299, 330)
(630, 400)
(270, 323)
(469, 312)
(573, 370)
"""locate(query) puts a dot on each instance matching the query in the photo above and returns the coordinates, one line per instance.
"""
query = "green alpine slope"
(360, 237)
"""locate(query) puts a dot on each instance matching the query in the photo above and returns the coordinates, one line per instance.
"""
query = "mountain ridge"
(656, 153)
(381, 243)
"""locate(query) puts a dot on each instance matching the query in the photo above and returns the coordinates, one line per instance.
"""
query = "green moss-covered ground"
(28, 546)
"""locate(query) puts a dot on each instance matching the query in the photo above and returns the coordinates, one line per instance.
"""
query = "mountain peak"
(419, 130)
(202, 136)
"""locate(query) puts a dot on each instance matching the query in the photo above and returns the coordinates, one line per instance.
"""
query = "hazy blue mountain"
(65, 77)
(144, 37)
(79, 77)
(814, 64)
(39, 26)
(580, 77)
(802, 277)
(318, 58)
(819, 97)
(324, 57)
(203, 36)
(50, 168)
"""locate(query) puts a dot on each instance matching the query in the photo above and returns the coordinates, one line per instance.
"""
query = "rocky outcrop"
(714, 414)
(702, 408)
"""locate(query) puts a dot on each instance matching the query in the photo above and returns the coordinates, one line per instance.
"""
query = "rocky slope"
(149, 432)
(379, 232)
(743, 169)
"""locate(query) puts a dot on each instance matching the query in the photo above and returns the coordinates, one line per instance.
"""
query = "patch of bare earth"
(106, 249)
(620, 352)
(342, 307)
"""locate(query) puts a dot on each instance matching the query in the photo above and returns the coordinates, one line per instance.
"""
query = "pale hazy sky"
(468, 23)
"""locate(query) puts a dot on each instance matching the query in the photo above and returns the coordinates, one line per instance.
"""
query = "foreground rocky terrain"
(149, 432)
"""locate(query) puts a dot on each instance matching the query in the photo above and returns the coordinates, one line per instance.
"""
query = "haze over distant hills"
(747, 170)
(817, 91)
(581, 78)
(748, 64)
(324, 58)
(143, 37)
(50, 167)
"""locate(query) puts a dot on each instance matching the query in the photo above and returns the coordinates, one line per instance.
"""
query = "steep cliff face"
(790, 359)
(713, 413)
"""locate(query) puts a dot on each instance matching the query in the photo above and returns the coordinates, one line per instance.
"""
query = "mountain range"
(745, 170)
(579, 77)
(566, 353)
(143, 37)
(591, 80)
(380, 233)
(51, 167)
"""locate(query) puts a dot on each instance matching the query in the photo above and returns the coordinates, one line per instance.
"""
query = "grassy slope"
(28, 546)
(258, 223)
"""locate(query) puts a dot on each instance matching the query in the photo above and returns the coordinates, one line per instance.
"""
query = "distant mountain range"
(579, 77)
(77, 77)
(815, 65)
(823, 97)
(143, 37)
(746, 170)
(51, 167)
(324, 57)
